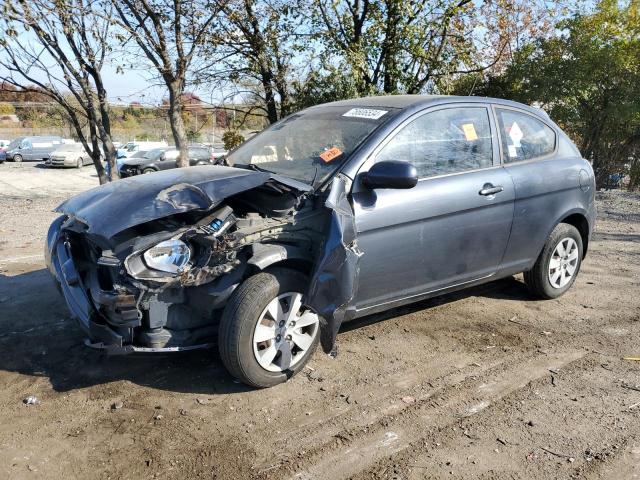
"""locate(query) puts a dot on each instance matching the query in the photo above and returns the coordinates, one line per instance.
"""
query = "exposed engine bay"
(163, 283)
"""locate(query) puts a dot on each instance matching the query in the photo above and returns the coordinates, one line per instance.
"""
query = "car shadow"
(37, 338)
(508, 288)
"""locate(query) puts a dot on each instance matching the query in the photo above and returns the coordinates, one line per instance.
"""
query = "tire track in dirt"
(393, 436)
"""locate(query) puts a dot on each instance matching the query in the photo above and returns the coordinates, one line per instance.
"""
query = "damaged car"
(335, 212)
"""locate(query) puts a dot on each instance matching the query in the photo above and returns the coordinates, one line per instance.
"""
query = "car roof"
(408, 101)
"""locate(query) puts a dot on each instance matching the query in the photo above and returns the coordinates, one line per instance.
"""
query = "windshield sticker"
(469, 132)
(512, 151)
(330, 154)
(515, 134)
(369, 113)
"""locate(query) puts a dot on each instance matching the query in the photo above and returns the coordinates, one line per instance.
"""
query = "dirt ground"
(486, 383)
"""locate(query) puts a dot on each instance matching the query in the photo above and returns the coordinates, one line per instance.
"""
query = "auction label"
(365, 113)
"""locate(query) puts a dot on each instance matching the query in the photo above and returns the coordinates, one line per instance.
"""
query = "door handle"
(489, 189)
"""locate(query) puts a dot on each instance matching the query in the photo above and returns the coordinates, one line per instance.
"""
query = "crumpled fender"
(335, 276)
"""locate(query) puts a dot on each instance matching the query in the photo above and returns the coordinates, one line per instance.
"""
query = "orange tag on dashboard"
(330, 154)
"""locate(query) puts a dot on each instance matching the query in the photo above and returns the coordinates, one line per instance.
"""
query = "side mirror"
(391, 174)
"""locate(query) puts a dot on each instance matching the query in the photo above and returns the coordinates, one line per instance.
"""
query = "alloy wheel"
(285, 331)
(563, 262)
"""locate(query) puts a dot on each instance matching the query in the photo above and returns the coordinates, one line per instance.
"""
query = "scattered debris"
(202, 401)
(503, 442)
(408, 400)
(117, 406)
(556, 453)
(631, 407)
(630, 387)
(183, 412)
(545, 333)
(157, 417)
(530, 423)
(514, 320)
(633, 359)
(31, 400)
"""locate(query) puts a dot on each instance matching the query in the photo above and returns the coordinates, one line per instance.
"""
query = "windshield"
(155, 153)
(14, 144)
(312, 144)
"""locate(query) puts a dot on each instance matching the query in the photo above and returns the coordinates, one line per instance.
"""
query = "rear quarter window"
(523, 136)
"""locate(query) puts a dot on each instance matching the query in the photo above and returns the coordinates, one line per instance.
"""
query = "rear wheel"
(17, 158)
(558, 264)
(266, 336)
(148, 170)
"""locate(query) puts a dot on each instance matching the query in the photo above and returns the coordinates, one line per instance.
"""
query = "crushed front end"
(161, 284)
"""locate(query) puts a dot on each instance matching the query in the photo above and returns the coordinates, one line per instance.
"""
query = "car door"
(26, 150)
(546, 169)
(453, 226)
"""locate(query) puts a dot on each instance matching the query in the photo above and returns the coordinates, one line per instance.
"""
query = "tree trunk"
(269, 97)
(177, 127)
(95, 155)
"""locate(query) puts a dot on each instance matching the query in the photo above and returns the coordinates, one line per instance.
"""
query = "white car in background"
(132, 147)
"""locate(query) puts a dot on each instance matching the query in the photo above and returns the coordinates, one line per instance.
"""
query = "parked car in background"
(32, 149)
(336, 212)
(119, 160)
(164, 159)
(69, 155)
(3, 156)
(218, 153)
(132, 147)
(4, 144)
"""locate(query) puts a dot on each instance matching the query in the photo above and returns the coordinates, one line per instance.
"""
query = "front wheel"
(558, 264)
(266, 335)
(17, 158)
(148, 170)
(79, 163)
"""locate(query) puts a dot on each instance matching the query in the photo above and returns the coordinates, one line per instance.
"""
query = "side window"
(445, 141)
(523, 136)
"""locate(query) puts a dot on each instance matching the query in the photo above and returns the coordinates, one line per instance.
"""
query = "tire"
(79, 163)
(148, 170)
(17, 158)
(539, 278)
(245, 311)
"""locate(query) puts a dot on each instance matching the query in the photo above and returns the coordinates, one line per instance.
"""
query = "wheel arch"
(581, 223)
(283, 255)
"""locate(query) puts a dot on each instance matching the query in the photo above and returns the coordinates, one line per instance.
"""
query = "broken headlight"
(170, 256)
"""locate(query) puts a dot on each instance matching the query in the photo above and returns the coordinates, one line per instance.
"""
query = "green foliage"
(7, 109)
(193, 135)
(587, 78)
(231, 139)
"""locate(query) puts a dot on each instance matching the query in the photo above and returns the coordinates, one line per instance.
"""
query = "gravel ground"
(486, 383)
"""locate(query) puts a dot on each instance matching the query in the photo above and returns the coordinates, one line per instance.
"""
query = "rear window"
(523, 136)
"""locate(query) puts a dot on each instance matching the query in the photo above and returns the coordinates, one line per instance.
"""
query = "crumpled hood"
(116, 206)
